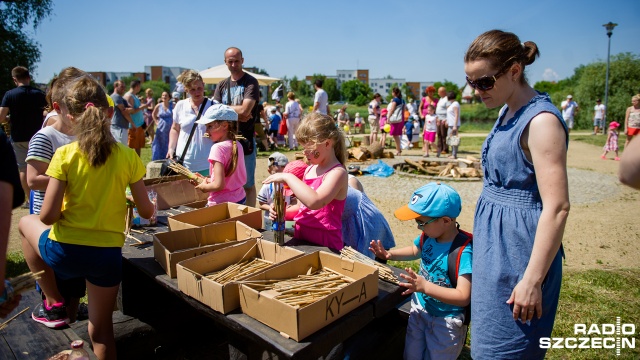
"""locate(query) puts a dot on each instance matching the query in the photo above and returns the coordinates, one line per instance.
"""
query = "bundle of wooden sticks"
(24, 282)
(303, 289)
(238, 271)
(180, 169)
(384, 272)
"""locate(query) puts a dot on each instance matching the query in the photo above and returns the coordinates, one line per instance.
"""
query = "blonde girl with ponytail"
(85, 202)
(227, 171)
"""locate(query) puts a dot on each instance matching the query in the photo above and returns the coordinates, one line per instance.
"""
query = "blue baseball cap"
(218, 112)
(434, 200)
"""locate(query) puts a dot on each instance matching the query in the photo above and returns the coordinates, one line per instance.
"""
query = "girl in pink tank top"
(322, 192)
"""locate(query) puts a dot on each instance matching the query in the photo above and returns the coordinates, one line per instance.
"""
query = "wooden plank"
(5, 350)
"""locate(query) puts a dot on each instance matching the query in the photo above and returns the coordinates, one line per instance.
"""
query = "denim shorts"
(250, 165)
(101, 266)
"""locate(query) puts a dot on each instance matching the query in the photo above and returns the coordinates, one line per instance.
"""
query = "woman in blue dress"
(363, 222)
(163, 118)
(522, 211)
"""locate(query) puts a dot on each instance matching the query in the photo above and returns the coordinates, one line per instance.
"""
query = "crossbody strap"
(193, 129)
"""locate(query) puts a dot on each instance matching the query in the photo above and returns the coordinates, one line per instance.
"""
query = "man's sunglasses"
(485, 83)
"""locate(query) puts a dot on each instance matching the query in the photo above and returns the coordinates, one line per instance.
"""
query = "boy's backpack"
(453, 262)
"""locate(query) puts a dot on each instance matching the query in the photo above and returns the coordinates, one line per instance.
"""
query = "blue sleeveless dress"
(160, 144)
(363, 222)
(505, 224)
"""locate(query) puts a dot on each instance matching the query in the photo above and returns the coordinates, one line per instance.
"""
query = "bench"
(24, 338)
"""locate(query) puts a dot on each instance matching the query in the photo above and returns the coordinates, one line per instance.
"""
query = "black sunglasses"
(485, 83)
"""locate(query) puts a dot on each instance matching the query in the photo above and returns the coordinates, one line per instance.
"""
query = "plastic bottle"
(77, 351)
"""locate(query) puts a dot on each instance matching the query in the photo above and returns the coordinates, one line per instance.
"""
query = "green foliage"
(354, 89)
(588, 84)
(361, 100)
(16, 264)
(156, 86)
(128, 79)
(450, 86)
(16, 47)
(477, 113)
(331, 87)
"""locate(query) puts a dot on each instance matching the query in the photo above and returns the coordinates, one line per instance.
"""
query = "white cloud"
(549, 75)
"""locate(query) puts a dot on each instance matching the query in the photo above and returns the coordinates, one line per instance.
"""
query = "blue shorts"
(101, 266)
(250, 165)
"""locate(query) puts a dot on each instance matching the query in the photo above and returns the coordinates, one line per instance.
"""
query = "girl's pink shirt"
(234, 184)
(322, 226)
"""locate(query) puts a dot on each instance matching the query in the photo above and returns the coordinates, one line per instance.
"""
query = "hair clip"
(88, 104)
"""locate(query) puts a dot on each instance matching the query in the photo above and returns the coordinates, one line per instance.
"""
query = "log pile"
(460, 168)
(373, 151)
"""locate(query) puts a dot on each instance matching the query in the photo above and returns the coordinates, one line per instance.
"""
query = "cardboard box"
(171, 247)
(173, 191)
(218, 213)
(225, 298)
(298, 323)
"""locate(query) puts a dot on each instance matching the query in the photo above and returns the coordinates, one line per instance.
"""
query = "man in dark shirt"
(11, 196)
(243, 98)
(26, 106)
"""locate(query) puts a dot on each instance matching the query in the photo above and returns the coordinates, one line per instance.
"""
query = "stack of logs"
(366, 152)
(459, 168)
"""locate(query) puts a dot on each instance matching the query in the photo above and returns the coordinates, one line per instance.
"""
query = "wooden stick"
(4, 324)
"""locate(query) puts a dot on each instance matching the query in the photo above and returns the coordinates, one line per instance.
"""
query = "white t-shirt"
(451, 116)
(430, 123)
(441, 107)
(322, 98)
(197, 156)
(599, 111)
(570, 110)
(292, 109)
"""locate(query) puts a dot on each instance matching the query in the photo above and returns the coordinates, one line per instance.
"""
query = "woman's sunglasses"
(485, 83)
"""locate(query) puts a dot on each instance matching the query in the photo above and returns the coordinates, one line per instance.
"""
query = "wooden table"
(246, 335)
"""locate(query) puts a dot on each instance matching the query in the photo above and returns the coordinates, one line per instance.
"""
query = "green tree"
(353, 89)
(624, 77)
(156, 86)
(448, 85)
(16, 47)
(331, 87)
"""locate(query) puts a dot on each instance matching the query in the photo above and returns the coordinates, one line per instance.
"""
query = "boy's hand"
(414, 282)
(272, 213)
(376, 247)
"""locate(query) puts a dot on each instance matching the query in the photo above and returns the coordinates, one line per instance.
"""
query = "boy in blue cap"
(436, 327)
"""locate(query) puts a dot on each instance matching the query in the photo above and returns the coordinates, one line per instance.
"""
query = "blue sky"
(415, 40)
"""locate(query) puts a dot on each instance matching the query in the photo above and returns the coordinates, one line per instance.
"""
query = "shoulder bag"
(398, 114)
(165, 170)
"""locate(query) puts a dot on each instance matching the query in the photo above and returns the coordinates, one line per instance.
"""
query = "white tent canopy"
(218, 73)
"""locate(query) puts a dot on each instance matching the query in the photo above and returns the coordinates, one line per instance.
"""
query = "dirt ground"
(602, 231)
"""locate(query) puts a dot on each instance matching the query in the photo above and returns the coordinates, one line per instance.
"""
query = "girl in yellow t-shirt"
(88, 177)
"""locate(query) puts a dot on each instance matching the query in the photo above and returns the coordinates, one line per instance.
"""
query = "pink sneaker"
(616, 158)
(603, 157)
